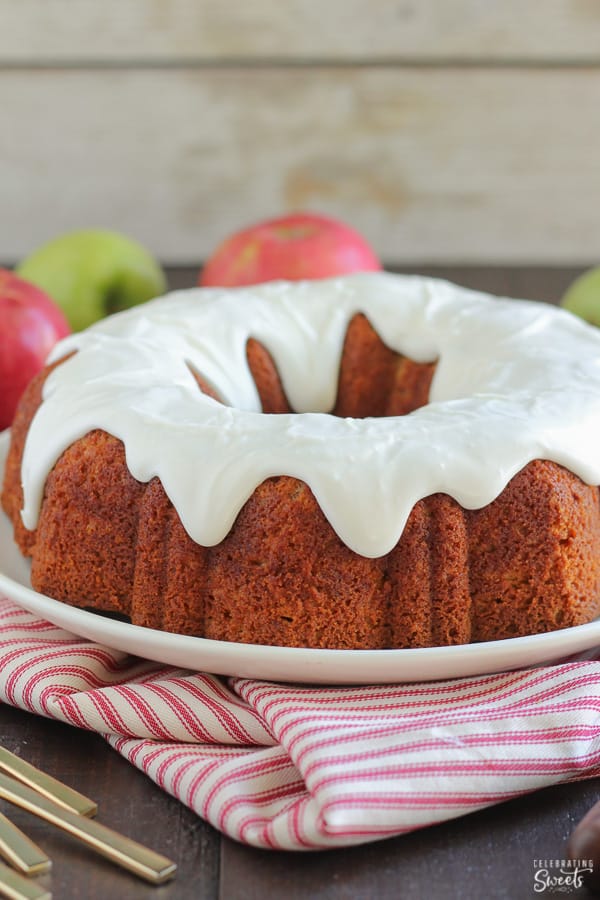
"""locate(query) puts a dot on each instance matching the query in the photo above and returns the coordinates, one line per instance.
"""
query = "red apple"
(30, 325)
(297, 246)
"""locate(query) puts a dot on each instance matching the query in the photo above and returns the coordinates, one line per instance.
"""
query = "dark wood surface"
(487, 854)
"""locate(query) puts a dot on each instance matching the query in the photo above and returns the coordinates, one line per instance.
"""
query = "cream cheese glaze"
(515, 381)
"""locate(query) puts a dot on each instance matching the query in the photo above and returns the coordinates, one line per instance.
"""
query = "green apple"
(583, 297)
(91, 274)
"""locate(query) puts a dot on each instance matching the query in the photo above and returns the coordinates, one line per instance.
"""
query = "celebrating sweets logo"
(560, 876)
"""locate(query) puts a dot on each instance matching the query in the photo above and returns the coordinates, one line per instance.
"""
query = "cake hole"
(373, 382)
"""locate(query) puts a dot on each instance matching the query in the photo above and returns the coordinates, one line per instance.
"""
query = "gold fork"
(46, 785)
(55, 802)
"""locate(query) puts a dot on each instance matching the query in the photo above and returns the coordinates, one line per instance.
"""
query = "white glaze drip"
(514, 382)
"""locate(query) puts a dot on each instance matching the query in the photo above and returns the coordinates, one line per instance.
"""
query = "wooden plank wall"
(448, 131)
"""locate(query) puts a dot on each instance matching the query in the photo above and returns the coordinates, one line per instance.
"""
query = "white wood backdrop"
(448, 131)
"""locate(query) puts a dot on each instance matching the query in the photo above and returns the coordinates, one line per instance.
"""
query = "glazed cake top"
(515, 381)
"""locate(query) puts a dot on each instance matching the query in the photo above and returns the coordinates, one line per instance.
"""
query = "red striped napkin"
(299, 768)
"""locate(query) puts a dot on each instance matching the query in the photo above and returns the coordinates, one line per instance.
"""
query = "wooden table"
(487, 854)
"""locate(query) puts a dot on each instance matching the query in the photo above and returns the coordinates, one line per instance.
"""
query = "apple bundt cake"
(372, 461)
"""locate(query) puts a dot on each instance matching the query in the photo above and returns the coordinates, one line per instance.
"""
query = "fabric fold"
(301, 767)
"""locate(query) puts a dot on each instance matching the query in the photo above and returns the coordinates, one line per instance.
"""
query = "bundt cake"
(374, 461)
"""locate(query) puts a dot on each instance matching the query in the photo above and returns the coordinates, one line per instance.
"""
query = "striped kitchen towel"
(301, 768)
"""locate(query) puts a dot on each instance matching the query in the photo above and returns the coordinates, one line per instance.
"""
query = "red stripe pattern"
(303, 768)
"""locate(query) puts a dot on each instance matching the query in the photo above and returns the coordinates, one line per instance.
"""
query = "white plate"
(285, 663)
